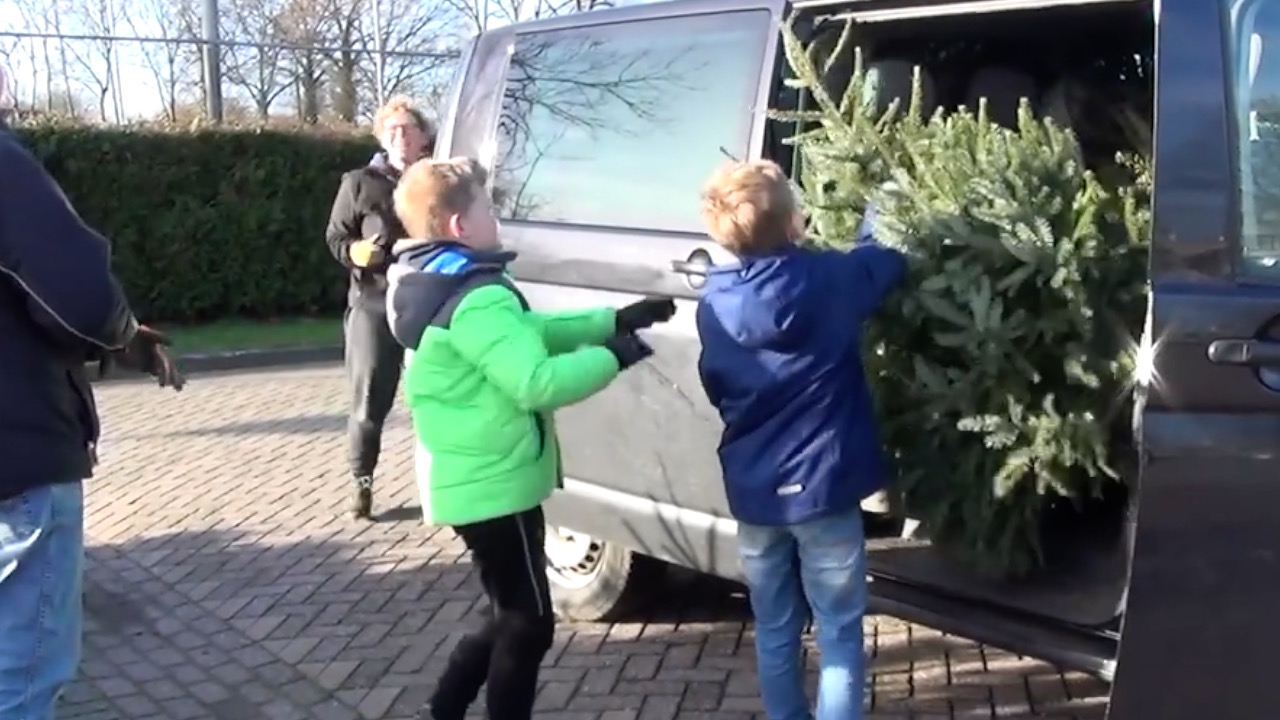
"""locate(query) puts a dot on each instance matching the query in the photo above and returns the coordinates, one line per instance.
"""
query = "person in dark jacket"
(781, 330)
(362, 229)
(60, 306)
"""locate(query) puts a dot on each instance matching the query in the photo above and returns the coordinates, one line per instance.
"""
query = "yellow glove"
(366, 252)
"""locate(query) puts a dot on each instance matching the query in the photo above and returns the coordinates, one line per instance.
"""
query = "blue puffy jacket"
(59, 307)
(781, 361)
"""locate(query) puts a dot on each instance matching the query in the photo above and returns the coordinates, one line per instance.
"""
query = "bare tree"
(423, 30)
(173, 57)
(480, 14)
(95, 59)
(347, 34)
(347, 72)
(45, 17)
(258, 64)
(304, 24)
(11, 52)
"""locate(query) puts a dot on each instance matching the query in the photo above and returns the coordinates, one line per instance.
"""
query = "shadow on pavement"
(403, 513)
(293, 425)
(355, 621)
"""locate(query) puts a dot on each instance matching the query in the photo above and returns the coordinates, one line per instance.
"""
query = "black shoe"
(428, 713)
(362, 507)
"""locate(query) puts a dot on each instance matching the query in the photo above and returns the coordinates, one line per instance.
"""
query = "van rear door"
(1201, 619)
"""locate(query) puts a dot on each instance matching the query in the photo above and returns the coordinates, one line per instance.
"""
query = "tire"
(596, 581)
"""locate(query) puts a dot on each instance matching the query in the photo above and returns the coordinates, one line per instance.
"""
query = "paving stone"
(224, 582)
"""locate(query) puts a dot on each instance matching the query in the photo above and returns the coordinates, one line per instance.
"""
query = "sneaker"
(429, 713)
(362, 506)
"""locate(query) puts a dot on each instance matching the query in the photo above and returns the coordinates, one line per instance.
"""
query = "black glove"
(145, 353)
(629, 349)
(645, 313)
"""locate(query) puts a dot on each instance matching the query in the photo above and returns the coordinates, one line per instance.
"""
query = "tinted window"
(619, 125)
(1256, 84)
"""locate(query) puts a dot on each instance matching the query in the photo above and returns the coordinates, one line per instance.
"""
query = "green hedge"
(209, 223)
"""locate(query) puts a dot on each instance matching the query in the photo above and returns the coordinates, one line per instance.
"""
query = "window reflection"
(1256, 35)
(618, 125)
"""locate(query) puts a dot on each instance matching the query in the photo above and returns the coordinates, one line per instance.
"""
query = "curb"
(238, 360)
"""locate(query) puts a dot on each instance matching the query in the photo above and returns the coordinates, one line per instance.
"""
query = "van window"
(1255, 57)
(619, 125)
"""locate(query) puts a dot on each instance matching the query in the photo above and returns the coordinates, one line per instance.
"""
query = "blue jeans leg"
(815, 569)
(771, 566)
(833, 571)
(41, 564)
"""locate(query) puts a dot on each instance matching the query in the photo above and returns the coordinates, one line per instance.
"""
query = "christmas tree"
(1003, 367)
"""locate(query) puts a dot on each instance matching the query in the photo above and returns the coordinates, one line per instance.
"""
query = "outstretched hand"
(146, 353)
(628, 349)
(645, 313)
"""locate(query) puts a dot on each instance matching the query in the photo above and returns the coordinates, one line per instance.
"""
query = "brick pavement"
(224, 582)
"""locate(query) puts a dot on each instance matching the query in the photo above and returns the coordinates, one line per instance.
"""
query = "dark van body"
(599, 129)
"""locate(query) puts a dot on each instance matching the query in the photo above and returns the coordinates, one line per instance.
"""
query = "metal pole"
(378, 57)
(113, 61)
(212, 62)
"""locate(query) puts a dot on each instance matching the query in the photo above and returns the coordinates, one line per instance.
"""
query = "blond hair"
(401, 104)
(431, 192)
(749, 207)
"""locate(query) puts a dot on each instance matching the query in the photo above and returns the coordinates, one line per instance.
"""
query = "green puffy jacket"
(484, 376)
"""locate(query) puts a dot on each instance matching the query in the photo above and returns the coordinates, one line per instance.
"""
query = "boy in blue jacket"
(781, 332)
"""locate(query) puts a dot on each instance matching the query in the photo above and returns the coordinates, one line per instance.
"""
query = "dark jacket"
(363, 208)
(781, 362)
(60, 306)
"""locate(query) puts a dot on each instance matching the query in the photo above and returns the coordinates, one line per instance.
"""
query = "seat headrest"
(1056, 106)
(1004, 89)
(890, 79)
(836, 81)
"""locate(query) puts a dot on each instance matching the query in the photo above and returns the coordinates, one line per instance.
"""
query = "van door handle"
(1253, 353)
(693, 268)
(689, 267)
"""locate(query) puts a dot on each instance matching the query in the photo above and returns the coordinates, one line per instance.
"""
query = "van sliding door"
(608, 125)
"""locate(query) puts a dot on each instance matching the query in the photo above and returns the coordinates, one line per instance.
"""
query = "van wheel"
(592, 580)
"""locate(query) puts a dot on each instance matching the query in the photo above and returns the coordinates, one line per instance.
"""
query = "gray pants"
(373, 360)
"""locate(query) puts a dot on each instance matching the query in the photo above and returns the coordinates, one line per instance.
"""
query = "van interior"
(1089, 67)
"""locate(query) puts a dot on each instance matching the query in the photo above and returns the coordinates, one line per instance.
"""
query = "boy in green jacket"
(482, 380)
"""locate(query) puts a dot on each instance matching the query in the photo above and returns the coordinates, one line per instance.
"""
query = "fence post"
(212, 62)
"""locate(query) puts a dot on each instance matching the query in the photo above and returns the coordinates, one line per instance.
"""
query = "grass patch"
(230, 335)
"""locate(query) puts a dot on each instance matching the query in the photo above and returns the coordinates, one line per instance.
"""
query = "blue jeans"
(41, 563)
(815, 569)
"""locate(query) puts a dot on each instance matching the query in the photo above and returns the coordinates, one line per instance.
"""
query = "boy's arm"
(710, 384)
(870, 272)
(492, 330)
(58, 264)
(566, 331)
(706, 373)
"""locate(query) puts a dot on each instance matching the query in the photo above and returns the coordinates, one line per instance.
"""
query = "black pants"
(519, 625)
(373, 359)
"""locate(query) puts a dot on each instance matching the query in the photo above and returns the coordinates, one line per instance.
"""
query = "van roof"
(675, 8)
(646, 11)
